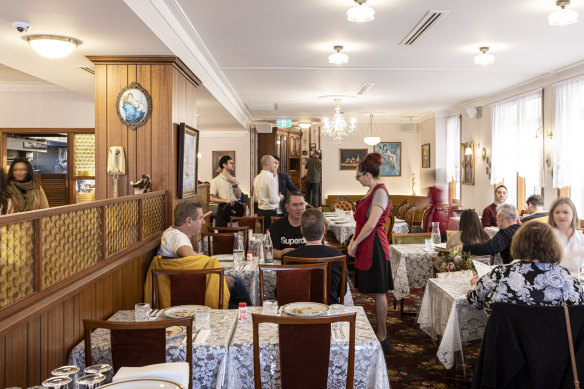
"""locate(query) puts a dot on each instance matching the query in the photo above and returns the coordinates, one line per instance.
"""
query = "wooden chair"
(342, 203)
(448, 233)
(410, 215)
(274, 218)
(249, 222)
(410, 238)
(304, 349)
(232, 230)
(219, 243)
(136, 344)
(188, 287)
(402, 209)
(427, 218)
(295, 283)
(388, 226)
(329, 261)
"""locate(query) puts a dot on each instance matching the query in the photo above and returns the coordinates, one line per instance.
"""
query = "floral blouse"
(523, 282)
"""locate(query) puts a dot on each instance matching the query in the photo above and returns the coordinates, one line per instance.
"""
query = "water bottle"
(268, 248)
(436, 233)
(238, 248)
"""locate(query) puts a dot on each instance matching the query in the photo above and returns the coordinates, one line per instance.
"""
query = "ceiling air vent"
(364, 88)
(430, 19)
(88, 69)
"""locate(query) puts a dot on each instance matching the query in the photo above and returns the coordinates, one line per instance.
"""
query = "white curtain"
(453, 149)
(515, 149)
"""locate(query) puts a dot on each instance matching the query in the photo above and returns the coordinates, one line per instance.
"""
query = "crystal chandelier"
(563, 16)
(338, 130)
(360, 13)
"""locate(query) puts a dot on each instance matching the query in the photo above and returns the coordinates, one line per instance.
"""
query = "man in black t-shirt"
(285, 232)
(313, 228)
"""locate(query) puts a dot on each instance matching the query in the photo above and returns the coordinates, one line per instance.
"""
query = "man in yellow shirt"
(535, 210)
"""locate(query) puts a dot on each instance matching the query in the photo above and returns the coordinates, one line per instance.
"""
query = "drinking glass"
(141, 312)
(91, 380)
(270, 307)
(336, 309)
(56, 382)
(202, 318)
(238, 248)
(436, 239)
(67, 371)
(97, 370)
(429, 244)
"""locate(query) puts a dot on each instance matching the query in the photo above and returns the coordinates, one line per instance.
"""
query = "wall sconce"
(543, 132)
(484, 153)
(468, 150)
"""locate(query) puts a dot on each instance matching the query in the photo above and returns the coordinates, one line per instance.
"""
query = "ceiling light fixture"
(360, 13)
(53, 46)
(484, 58)
(338, 57)
(372, 140)
(304, 126)
(562, 16)
(338, 130)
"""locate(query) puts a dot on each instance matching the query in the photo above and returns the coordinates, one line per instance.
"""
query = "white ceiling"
(272, 51)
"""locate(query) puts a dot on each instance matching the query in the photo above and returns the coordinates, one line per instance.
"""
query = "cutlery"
(155, 313)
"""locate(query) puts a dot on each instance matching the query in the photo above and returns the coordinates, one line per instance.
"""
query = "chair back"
(304, 349)
(410, 215)
(427, 218)
(448, 233)
(410, 238)
(402, 209)
(294, 283)
(187, 287)
(231, 230)
(342, 259)
(218, 243)
(342, 203)
(388, 226)
(136, 344)
(249, 222)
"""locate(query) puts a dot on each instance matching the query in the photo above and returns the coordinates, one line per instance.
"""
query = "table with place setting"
(453, 225)
(446, 313)
(343, 226)
(370, 368)
(411, 265)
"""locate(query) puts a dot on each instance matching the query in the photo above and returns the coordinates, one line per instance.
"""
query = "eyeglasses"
(357, 176)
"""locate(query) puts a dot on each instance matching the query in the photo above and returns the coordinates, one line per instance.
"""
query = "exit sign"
(283, 123)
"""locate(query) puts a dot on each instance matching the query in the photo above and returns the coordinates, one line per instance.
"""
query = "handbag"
(571, 344)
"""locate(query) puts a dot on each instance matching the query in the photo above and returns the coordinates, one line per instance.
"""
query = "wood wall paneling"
(131, 137)
(100, 131)
(15, 356)
(144, 133)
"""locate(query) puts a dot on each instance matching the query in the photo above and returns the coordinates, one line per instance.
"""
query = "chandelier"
(360, 13)
(338, 130)
(562, 16)
(372, 139)
(484, 58)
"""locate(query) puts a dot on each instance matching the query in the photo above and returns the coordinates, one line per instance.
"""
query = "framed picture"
(468, 163)
(390, 158)
(216, 157)
(426, 155)
(134, 105)
(188, 148)
(313, 147)
(350, 158)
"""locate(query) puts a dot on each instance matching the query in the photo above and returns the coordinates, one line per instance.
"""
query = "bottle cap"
(242, 305)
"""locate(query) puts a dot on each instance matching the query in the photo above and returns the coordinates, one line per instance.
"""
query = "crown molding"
(169, 22)
(31, 87)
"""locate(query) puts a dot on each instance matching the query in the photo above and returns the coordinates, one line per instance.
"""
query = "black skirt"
(378, 278)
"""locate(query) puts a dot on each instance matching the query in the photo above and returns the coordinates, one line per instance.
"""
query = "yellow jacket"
(196, 262)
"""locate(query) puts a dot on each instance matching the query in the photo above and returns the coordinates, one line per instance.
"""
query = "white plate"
(305, 309)
(224, 257)
(173, 331)
(181, 311)
(143, 384)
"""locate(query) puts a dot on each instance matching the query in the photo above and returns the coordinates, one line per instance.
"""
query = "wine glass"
(98, 369)
(91, 380)
(56, 382)
(67, 371)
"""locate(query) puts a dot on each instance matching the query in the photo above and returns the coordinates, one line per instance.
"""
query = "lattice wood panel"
(71, 243)
(201, 197)
(16, 262)
(121, 225)
(153, 215)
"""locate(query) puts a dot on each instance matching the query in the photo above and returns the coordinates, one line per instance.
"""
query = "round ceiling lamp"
(563, 16)
(372, 139)
(338, 58)
(360, 13)
(53, 46)
(484, 58)
(304, 125)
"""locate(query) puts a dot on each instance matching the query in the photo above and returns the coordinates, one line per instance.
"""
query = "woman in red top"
(369, 245)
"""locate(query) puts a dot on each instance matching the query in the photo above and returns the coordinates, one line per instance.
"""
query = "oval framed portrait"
(134, 105)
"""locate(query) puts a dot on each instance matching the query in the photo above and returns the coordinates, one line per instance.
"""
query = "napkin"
(482, 268)
(201, 336)
(177, 372)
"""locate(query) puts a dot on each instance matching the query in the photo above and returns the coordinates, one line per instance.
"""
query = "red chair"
(187, 287)
(297, 283)
(249, 222)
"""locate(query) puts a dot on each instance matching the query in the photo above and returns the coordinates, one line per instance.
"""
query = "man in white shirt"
(265, 189)
(224, 189)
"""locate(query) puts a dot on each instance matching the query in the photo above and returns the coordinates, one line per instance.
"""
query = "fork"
(154, 313)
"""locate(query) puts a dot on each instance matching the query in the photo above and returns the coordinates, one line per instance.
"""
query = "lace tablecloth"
(342, 230)
(209, 358)
(411, 265)
(370, 368)
(453, 225)
(446, 313)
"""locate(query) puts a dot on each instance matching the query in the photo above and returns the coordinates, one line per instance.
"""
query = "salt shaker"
(242, 313)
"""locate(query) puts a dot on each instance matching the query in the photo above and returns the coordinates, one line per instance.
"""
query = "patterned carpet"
(412, 361)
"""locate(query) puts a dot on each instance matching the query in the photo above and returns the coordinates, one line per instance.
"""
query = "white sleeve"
(273, 191)
(213, 190)
(177, 240)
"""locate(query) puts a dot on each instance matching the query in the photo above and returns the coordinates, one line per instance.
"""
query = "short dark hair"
(535, 200)
(290, 194)
(501, 186)
(536, 241)
(184, 209)
(223, 160)
(312, 224)
(276, 158)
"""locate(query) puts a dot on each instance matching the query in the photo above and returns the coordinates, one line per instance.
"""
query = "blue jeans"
(239, 294)
(312, 193)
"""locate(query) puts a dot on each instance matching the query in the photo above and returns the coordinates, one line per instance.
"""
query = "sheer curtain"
(453, 152)
(569, 139)
(515, 149)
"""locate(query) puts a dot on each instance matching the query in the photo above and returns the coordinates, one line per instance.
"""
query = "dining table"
(446, 314)
(342, 227)
(209, 357)
(455, 220)
(411, 265)
(370, 367)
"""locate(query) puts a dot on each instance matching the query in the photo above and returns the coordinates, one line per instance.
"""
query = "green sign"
(283, 123)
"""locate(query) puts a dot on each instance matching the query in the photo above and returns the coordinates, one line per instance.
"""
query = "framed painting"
(390, 158)
(216, 157)
(188, 148)
(134, 105)
(350, 158)
(467, 163)
(426, 155)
